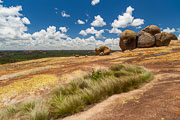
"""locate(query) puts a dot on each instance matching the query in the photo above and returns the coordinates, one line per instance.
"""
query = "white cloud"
(168, 30)
(10, 11)
(91, 30)
(112, 43)
(1, 1)
(178, 30)
(179, 37)
(25, 20)
(129, 10)
(63, 14)
(12, 25)
(63, 29)
(14, 35)
(137, 22)
(115, 31)
(80, 22)
(127, 19)
(83, 33)
(98, 22)
(94, 2)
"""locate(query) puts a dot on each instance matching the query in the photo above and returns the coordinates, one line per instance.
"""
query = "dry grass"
(75, 96)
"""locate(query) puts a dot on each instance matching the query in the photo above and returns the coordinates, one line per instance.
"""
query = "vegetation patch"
(29, 85)
(77, 95)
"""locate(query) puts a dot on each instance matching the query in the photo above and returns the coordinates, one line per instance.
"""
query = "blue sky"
(53, 24)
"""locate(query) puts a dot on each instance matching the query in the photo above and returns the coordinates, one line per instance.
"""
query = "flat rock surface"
(157, 100)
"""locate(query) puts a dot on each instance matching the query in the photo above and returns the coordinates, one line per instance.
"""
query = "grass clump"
(100, 85)
(75, 96)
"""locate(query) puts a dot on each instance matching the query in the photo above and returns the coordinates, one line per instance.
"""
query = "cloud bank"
(13, 35)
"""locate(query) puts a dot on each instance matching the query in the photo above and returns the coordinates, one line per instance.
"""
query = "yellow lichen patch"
(26, 86)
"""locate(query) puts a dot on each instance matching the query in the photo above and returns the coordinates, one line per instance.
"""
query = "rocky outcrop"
(149, 37)
(97, 51)
(152, 29)
(103, 50)
(163, 39)
(128, 40)
(173, 36)
(174, 43)
(107, 51)
(145, 40)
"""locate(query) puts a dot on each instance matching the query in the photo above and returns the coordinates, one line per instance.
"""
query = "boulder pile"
(103, 50)
(150, 36)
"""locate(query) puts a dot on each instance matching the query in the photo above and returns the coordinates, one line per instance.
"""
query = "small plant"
(96, 75)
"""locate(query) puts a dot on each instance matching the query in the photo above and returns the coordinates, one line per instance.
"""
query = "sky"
(80, 24)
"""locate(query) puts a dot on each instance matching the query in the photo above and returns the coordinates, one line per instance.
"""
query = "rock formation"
(152, 29)
(163, 39)
(128, 40)
(149, 37)
(103, 50)
(173, 36)
(145, 40)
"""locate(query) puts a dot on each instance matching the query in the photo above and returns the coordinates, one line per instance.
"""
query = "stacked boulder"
(149, 37)
(103, 50)
(128, 40)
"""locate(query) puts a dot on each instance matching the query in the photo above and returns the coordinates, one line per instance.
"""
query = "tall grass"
(78, 94)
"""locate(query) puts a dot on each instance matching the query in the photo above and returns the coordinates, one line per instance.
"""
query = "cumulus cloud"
(12, 25)
(127, 19)
(1, 1)
(25, 20)
(80, 22)
(169, 30)
(178, 30)
(83, 33)
(63, 14)
(179, 37)
(94, 2)
(137, 22)
(98, 22)
(63, 29)
(14, 35)
(115, 31)
(91, 30)
(112, 43)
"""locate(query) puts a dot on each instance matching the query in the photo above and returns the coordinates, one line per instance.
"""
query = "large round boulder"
(173, 36)
(103, 50)
(152, 29)
(145, 40)
(97, 51)
(128, 40)
(163, 39)
(107, 51)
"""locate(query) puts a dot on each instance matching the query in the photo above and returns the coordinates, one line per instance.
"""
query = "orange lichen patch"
(25, 87)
